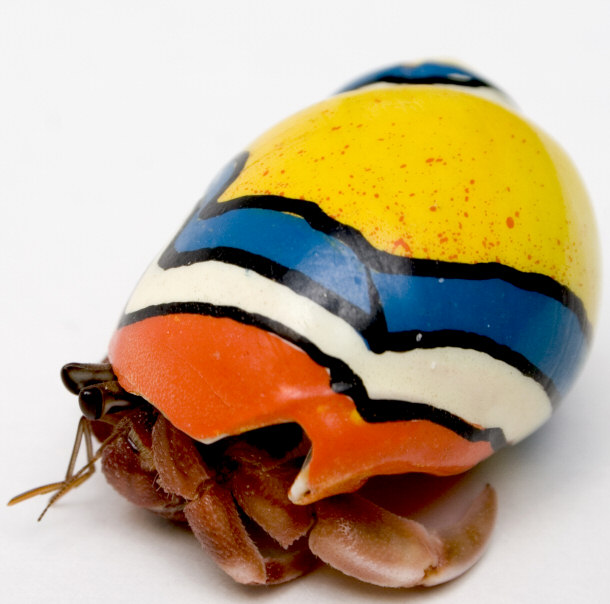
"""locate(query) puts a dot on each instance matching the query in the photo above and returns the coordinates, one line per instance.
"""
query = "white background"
(114, 116)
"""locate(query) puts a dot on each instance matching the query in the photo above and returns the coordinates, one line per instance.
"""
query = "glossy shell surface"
(407, 269)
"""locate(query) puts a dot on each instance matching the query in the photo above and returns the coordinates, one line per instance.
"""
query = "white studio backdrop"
(114, 116)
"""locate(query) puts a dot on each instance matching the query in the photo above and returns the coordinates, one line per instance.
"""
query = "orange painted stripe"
(213, 377)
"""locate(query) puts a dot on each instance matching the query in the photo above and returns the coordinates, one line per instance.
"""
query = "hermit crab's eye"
(97, 387)
(97, 400)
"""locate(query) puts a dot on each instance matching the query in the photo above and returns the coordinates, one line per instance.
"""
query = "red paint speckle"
(403, 244)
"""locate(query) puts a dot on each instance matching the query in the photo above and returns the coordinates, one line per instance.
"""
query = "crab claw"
(365, 541)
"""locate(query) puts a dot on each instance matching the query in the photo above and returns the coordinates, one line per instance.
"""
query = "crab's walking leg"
(213, 515)
(370, 543)
(72, 479)
(129, 467)
(215, 522)
(260, 485)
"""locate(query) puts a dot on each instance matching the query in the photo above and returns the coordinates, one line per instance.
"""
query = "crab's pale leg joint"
(374, 545)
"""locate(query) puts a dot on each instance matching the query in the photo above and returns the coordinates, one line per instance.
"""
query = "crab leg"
(372, 544)
(260, 485)
(215, 521)
(128, 465)
(216, 524)
(72, 479)
(213, 515)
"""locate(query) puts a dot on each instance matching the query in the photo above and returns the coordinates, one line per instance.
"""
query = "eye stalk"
(77, 376)
(98, 390)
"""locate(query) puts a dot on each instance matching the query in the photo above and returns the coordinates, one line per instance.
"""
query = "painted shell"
(407, 270)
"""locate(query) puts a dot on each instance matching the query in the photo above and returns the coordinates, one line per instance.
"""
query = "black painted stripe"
(385, 262)
(394, 79)
(295, 280)
(342, 378)
(424, 73)
(373, 327)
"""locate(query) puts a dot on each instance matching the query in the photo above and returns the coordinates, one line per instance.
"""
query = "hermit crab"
(399, 279)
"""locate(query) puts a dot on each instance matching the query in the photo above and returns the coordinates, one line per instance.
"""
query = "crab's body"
(407, 271)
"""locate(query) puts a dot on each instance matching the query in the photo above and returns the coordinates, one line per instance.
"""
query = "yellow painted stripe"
(433, 172)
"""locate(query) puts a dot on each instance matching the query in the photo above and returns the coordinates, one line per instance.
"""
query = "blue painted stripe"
(538, 327)
(450, 74)
(287, 240)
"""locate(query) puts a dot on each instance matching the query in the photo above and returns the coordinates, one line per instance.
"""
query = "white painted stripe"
(470, 384)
